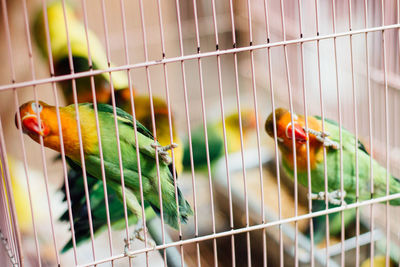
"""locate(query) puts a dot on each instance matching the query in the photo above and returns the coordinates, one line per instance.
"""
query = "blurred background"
(330, 77)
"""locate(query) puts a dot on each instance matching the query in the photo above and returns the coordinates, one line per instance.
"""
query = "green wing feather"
(334, 123)
(123, 117)
(97, 204)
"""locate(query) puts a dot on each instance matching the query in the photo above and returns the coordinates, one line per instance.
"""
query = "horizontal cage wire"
(199, 133)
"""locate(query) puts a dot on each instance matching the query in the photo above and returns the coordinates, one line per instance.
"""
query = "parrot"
(330, 139)
(75, 177)
(79, 51)
(48, 129)
(216, 139)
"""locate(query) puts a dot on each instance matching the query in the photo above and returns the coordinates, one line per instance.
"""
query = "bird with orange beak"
(286, 131)
(40, 119)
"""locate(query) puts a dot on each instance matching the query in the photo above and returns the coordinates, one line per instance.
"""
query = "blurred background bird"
(378, 261)
(216, 139)
(80, 53)
(317, 140)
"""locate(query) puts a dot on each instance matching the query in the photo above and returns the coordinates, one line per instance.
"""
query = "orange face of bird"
(29, 113)
(286, 131)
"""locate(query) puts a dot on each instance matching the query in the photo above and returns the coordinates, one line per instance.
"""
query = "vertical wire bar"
(135, 129)
(204, 117)
(154, 125)
(11, 61)
(370, 131)
(11, 201)
(121, 167)
(278, 177)
(296, 259)
(45, 172)
(387, 134)
(170, 129)
(196, 227)
(62, 149)
(258, 139)
(323, 130)
(398, 44)
(253, 78)
(311, 224)
(235, 59)
(221, 97)
(356, 136)
(92, 86)
(398, 32)
(339, 108)
(78, 124)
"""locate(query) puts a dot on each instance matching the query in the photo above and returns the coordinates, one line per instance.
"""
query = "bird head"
(31, 124)
(248, 120)
(284, 127)
(124, 95)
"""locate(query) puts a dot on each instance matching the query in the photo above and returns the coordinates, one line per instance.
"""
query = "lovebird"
(79, 51)
(216, 139)
(48, 129)
(330, 139)
(97, 200)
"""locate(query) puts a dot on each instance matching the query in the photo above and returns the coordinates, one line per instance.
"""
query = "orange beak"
(299, 133)
(30, 124)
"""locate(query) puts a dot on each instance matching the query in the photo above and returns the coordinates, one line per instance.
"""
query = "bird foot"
(323, 138)
(334, 197)
(126, 247)
(138, 234)
(163, 151)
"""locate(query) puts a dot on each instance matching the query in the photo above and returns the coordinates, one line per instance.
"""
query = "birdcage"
(208, 63)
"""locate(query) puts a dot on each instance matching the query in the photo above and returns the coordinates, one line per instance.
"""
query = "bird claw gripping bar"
(323, 138)
(334, 197)
(163, 151)
(138, 234)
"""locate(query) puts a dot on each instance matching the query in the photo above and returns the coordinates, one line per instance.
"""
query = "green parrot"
(317, 140)
(49, 130)
(75, 177)
(216, 139)
(79, 51)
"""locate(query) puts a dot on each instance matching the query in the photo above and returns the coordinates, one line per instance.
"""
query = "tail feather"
(170, 215)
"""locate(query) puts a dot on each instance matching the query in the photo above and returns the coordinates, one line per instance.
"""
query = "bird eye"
(36, 108)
